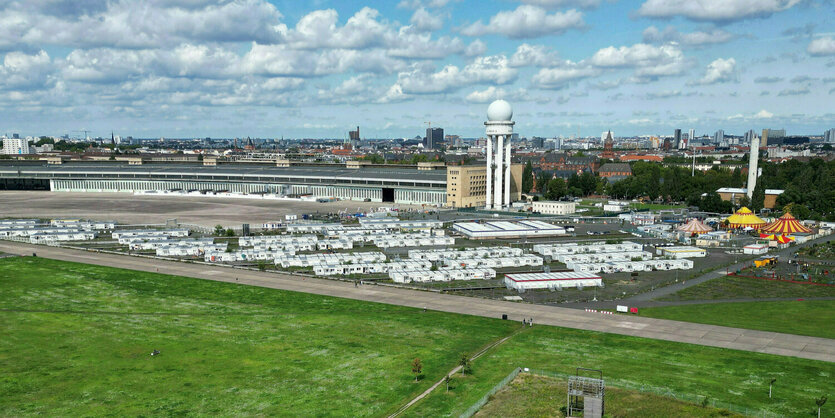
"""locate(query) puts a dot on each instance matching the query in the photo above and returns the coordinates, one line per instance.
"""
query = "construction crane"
(86, 132)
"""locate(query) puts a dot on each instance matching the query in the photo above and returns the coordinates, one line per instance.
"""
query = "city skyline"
(269, 69)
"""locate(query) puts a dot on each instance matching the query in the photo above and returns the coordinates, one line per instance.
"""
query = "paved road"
(708, 335)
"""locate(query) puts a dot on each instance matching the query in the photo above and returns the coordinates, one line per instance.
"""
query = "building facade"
(15, 146)
(554, 208)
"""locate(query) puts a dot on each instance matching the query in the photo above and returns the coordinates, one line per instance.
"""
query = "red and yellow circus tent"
(745, 218)
(785, 225)
(695, 227)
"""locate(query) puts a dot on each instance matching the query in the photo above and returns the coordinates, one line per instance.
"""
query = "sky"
(317, 69)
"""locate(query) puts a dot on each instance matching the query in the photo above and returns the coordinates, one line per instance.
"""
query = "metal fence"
(476, 406)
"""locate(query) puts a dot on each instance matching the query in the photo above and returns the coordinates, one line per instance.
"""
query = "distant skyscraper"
(691, 136)
(719, 137)
(773, 137)
(676, 139)
(354, 137)
(434, 138)
(829, 136)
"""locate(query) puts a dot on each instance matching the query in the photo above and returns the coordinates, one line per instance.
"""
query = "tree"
(417, 368)
(230, 232)
(464, 362)
(527, 178)
(758, 197)
(219, 229)
(555, 189)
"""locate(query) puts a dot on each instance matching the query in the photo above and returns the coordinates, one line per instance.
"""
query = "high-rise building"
(829, 136)
(15, 146)
(772, 137)
(691, 135)
(676, 139)
(434, 138)
(354, 138)
(750, 135)
(719, 137)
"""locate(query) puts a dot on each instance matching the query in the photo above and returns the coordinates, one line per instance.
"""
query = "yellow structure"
(745, 218)
(466, 185)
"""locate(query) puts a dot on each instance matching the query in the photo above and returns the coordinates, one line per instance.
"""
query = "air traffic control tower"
(499, 128)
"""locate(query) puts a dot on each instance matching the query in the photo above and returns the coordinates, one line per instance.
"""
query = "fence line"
(481, 402)
(624, 384)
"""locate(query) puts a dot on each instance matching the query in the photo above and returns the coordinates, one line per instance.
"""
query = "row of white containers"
(495, 262)
(179, 232)
(630, 266)
(27, 232)
(574, 248)
(40, 238)
(190, 250)
(246, 255)
(478, 252)
(441, 275)
(312, 260)
(370, 268)
(321, 228)
(157, 242)
(395, 241)
(602, 257)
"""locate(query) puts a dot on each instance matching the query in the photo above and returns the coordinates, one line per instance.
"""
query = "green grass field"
(77, 338)
(537, 396)
(76, 341)
(727, 376)
(811, 317)
(731, 287)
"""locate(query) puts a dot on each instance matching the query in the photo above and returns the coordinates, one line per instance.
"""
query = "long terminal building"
(430, 184)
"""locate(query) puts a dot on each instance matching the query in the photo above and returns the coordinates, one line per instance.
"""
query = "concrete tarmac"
(661, 329)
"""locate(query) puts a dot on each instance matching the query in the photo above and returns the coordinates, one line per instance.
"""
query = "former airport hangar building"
(430, 183)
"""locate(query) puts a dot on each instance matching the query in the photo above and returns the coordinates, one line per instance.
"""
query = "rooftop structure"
(567, 279)
(507, 229)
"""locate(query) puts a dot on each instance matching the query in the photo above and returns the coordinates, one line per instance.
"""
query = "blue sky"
(221, 68)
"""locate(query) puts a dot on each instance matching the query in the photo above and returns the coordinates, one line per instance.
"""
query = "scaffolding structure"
(586, 394)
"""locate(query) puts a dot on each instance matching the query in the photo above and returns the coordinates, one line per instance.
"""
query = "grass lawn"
(537, 396)
(811, 317)
(726, 376)
(76, 341)
(731, 287)
(77, 338)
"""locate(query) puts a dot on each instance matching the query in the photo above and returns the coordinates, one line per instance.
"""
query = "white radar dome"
(499, 111)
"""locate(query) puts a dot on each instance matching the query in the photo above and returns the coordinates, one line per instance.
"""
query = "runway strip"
(661, 329)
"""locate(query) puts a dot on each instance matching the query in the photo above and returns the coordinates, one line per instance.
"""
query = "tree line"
(809, 186)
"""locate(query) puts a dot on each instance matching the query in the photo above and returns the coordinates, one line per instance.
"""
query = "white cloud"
(533, 55)
(129, 24)
(697, 38)
(527, 22)
(719, 71)
(425, 21)
(422, 79)
(23, 71)
(763, 114)
(551, 4)
(649, 61)
(558, 78)
(318, 29)
(475, 48)
(714, 10)
(822, 46)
